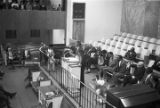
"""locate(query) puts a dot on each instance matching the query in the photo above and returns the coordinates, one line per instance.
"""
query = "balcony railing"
(80, 92)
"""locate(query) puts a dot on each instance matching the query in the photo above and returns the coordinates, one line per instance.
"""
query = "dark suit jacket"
(122, 68)
(139, 72)
(155, 65)
(114, 66)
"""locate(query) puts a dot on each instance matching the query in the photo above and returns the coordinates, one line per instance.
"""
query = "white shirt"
(120, 63)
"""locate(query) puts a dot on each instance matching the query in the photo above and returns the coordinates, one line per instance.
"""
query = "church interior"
(80, 54)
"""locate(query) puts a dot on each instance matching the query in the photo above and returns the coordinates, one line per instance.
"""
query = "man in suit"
(156, 65)
(119, 70)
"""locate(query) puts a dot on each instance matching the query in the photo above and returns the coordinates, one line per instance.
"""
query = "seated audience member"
(9, 4)
(59, 8)
(109, 58)
(15, 5)
(136, 73)
(119, 70)
(36, 5)
(148, 78)
(131, 54)
(28, 5)
(156, 64)
(43, 7)
(93, 58)
(21, 5)
(139, 71)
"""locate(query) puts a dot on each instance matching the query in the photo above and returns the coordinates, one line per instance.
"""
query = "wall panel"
(151, 19)
(23, 21)
(133, 12)
(140, 17)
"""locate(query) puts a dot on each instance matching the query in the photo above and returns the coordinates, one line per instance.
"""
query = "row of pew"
(119, 44)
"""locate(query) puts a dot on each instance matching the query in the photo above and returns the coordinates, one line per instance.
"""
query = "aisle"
(13, 80)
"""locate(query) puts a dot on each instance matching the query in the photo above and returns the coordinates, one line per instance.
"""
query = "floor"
(13, 81)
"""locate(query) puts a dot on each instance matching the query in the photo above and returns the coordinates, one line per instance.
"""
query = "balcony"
(79, 93)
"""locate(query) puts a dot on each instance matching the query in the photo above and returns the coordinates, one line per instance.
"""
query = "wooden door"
(78, 30)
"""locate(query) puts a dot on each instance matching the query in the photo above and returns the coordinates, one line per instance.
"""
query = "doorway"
(78, 30)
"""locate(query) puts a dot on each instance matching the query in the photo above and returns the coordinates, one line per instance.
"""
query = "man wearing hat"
(138, 73)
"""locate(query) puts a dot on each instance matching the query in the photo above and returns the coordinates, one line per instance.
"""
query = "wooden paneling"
(140, 17)
(151, 19)
(78, 30)
(133, 12)
(23, 21)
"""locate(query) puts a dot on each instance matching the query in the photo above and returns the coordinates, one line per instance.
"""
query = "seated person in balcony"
(119, 70)
(1, 4)
(36, 5)
(101, 57)
(9, 4)
(43, 7)
(15, 5)
(111, 67)
(21, 5)
(28, 5)
(139, 71)
(59, 8)
(131, 54)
